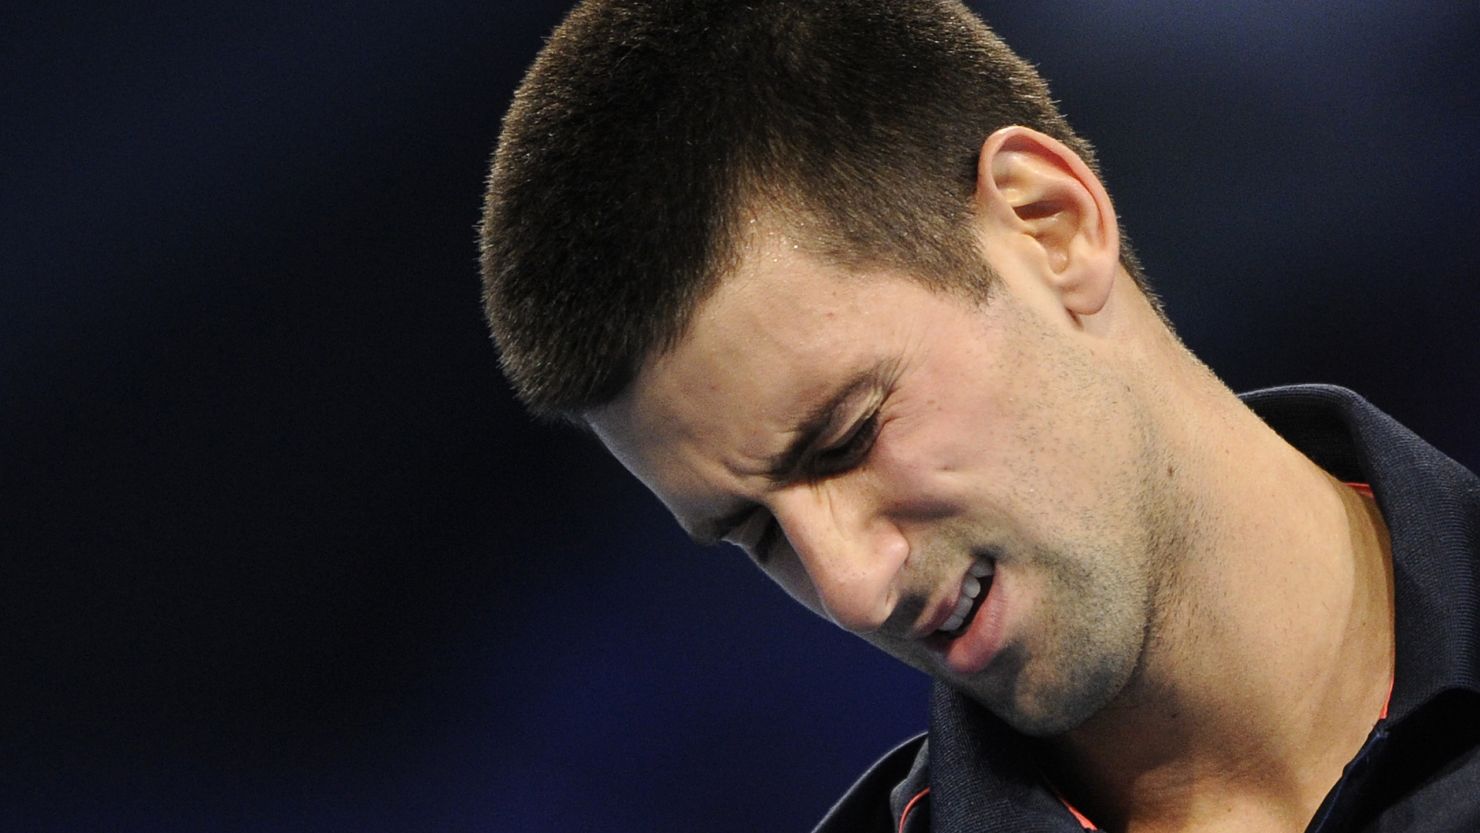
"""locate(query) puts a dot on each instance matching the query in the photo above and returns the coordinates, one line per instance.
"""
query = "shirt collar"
(1432, 508)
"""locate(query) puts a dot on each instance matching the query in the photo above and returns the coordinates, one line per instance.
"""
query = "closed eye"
(835, 459)
(848, 452)
(844, 455)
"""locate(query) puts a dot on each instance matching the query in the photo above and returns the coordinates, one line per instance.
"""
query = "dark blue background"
(281, 553)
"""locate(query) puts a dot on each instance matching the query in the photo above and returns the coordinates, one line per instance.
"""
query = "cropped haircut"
(648, 130)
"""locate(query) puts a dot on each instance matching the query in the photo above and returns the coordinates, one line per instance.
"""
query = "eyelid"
(863, 427)
(864, 430)
(858, 429)
(851, 448)
(857, 415)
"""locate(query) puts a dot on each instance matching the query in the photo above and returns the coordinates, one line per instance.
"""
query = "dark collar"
(1432, 508)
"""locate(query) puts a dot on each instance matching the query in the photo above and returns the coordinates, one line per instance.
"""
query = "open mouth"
(974, 589)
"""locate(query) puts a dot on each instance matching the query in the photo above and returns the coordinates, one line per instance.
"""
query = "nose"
(852, 557)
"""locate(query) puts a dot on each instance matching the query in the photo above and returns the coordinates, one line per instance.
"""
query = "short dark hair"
(646, 128)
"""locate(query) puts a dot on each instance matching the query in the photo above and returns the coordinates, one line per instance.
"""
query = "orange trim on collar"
(1073, 811)
(910, 805)
(1078, 816)
(1366, 490)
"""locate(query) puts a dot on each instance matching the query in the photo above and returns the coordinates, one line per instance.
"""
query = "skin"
(1166, 566)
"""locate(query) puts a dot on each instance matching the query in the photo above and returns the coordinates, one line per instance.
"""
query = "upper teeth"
(971, 587)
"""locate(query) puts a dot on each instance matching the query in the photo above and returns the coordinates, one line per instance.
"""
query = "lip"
(972, 651)
(943, 611)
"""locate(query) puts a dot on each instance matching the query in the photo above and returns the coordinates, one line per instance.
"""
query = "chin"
(1041, 722)
(1048, 708)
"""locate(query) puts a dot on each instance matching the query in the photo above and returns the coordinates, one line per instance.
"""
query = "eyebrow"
(782, 467)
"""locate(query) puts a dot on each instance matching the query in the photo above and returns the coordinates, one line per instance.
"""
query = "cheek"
(934, 462)
(915, 482)
(1008, 466)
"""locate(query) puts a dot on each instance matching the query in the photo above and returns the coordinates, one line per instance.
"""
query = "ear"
(1036, 197)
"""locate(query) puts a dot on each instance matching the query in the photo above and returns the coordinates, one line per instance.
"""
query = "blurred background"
(279, 550)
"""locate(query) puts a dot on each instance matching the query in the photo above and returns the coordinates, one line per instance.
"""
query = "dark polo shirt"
(1419, 769)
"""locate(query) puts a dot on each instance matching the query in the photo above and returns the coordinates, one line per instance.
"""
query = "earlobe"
(1037, 195)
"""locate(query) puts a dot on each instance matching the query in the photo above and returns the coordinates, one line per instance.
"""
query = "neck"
(1272, 655)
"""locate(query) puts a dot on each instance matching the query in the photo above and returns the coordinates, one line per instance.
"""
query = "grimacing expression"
(878, 446)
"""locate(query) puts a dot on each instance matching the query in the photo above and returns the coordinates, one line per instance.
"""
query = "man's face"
(884, 451)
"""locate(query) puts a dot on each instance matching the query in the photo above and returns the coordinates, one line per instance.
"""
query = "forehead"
(779, 319)
(770, 339)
